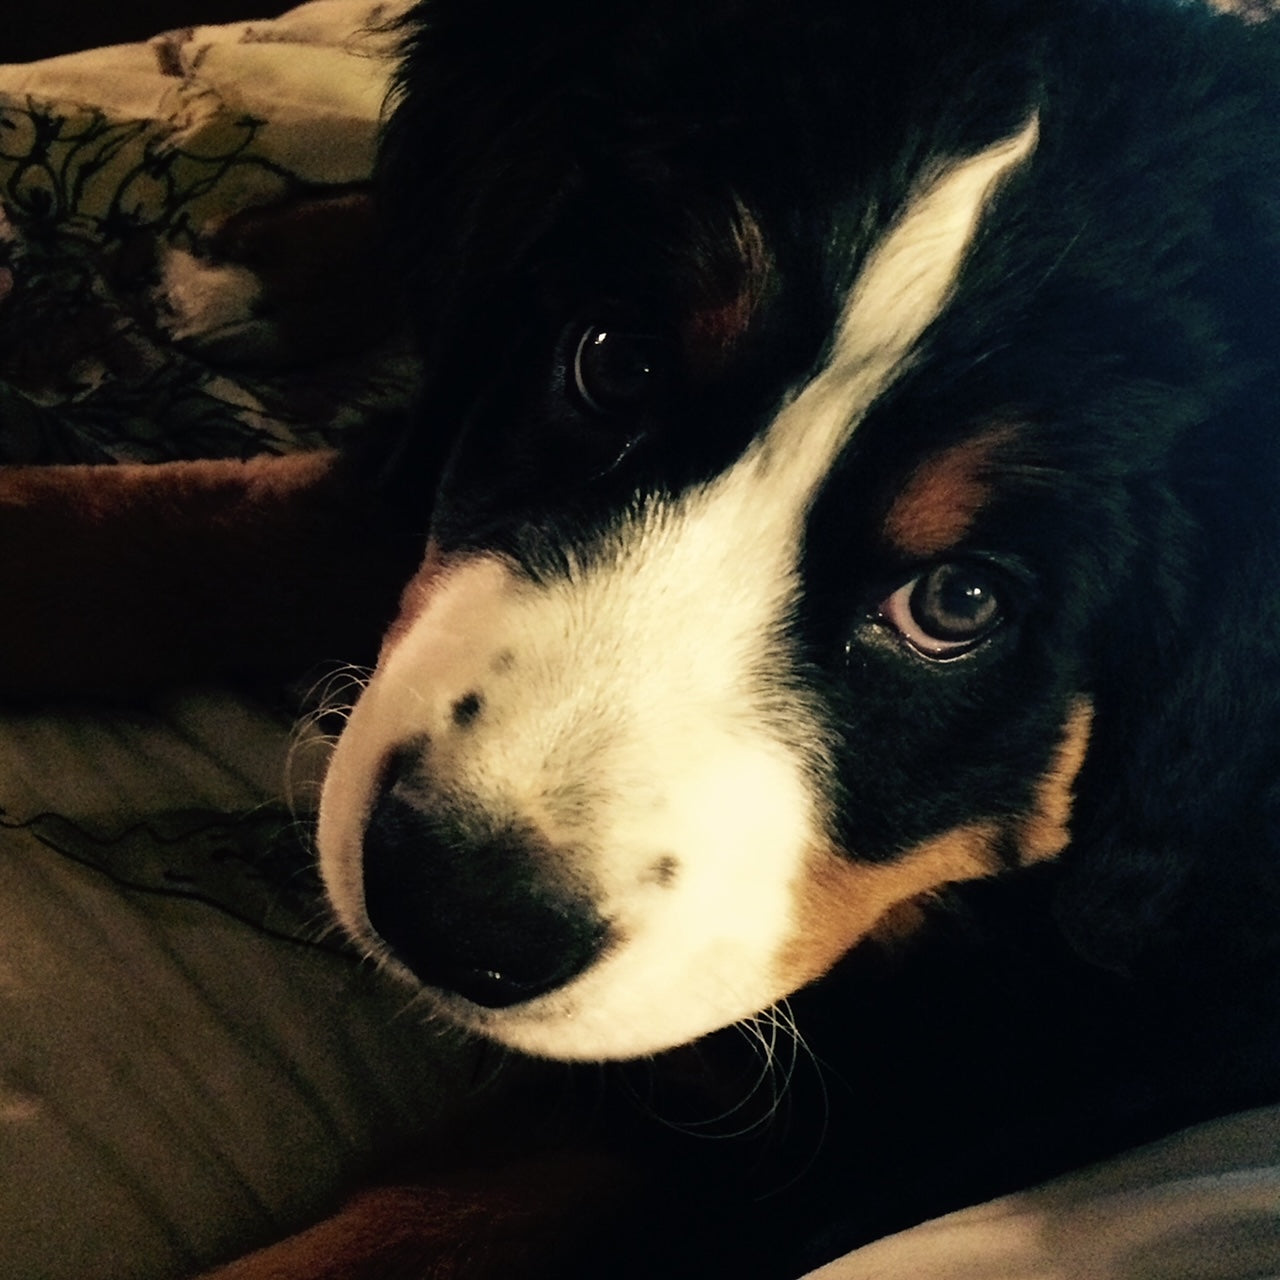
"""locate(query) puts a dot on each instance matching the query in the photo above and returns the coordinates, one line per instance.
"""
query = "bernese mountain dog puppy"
(854, 578)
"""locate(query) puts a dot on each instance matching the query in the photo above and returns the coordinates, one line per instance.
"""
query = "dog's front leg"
(115, 579)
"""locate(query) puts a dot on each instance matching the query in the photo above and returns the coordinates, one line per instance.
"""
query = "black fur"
(1122, 307)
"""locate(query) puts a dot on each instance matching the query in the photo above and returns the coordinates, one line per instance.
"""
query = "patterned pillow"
(187, 264)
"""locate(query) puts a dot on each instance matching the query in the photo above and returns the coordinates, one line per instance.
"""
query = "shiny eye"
(616, 370)
(948, 609)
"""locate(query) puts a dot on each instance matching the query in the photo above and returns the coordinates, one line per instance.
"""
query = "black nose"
(480, 917)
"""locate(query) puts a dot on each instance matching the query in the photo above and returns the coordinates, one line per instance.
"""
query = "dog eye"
(946, 610)
(617, 370)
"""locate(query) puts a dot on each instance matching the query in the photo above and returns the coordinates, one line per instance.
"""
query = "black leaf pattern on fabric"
(89, 369)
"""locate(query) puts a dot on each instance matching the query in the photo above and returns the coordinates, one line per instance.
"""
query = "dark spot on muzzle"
(467, 709)
(488, 918)
(663, 872)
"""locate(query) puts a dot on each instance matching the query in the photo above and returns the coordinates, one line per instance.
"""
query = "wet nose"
(483, 918)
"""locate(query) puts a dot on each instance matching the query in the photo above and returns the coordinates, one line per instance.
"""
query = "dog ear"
(1177, 824)
(472, 164)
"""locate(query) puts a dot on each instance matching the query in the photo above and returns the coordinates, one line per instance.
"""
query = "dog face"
(807, 463)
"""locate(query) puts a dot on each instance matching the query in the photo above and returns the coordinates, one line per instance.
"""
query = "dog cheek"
(839, 901)
(1045, 831)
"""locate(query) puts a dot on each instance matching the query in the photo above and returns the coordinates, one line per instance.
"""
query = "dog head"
(818, 452)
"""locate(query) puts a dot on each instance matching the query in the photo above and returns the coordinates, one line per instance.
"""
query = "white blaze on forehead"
(903, 287)
(649, 712)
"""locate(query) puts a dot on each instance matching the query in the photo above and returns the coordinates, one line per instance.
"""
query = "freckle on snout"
(467, 708)
(662, 872)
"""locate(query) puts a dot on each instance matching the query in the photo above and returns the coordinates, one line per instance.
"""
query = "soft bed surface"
(190, 1065)
(1203, 1204)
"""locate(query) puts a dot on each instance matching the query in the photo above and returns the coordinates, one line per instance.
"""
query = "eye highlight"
(948, 609)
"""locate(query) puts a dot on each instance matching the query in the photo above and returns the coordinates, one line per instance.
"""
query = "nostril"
(478, 918)
(403, 766)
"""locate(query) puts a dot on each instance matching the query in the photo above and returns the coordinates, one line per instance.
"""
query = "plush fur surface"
(858, 519)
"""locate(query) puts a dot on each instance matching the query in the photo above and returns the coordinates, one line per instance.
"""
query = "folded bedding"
(186, 264)
(191, 1064)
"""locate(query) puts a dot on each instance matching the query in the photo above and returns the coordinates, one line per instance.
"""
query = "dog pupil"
(614, 368)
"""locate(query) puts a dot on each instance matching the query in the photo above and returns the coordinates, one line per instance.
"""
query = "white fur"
(647, 714)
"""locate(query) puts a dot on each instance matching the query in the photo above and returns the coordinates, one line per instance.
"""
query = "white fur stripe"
(904, 285)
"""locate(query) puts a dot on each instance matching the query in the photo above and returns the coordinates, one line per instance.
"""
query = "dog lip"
(490, 981)
(496, 989)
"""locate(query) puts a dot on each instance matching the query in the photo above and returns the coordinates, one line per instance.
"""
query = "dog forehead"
(760, 497)
(904, 285)
(724, 557)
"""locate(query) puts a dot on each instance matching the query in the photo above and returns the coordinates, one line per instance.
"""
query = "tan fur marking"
(1044, 833)
(723, 315)
(943, 496)
(839, 902)
(900, 923)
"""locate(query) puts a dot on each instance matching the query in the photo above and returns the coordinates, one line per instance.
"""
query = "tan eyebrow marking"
(944, 495)
(731, 298)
